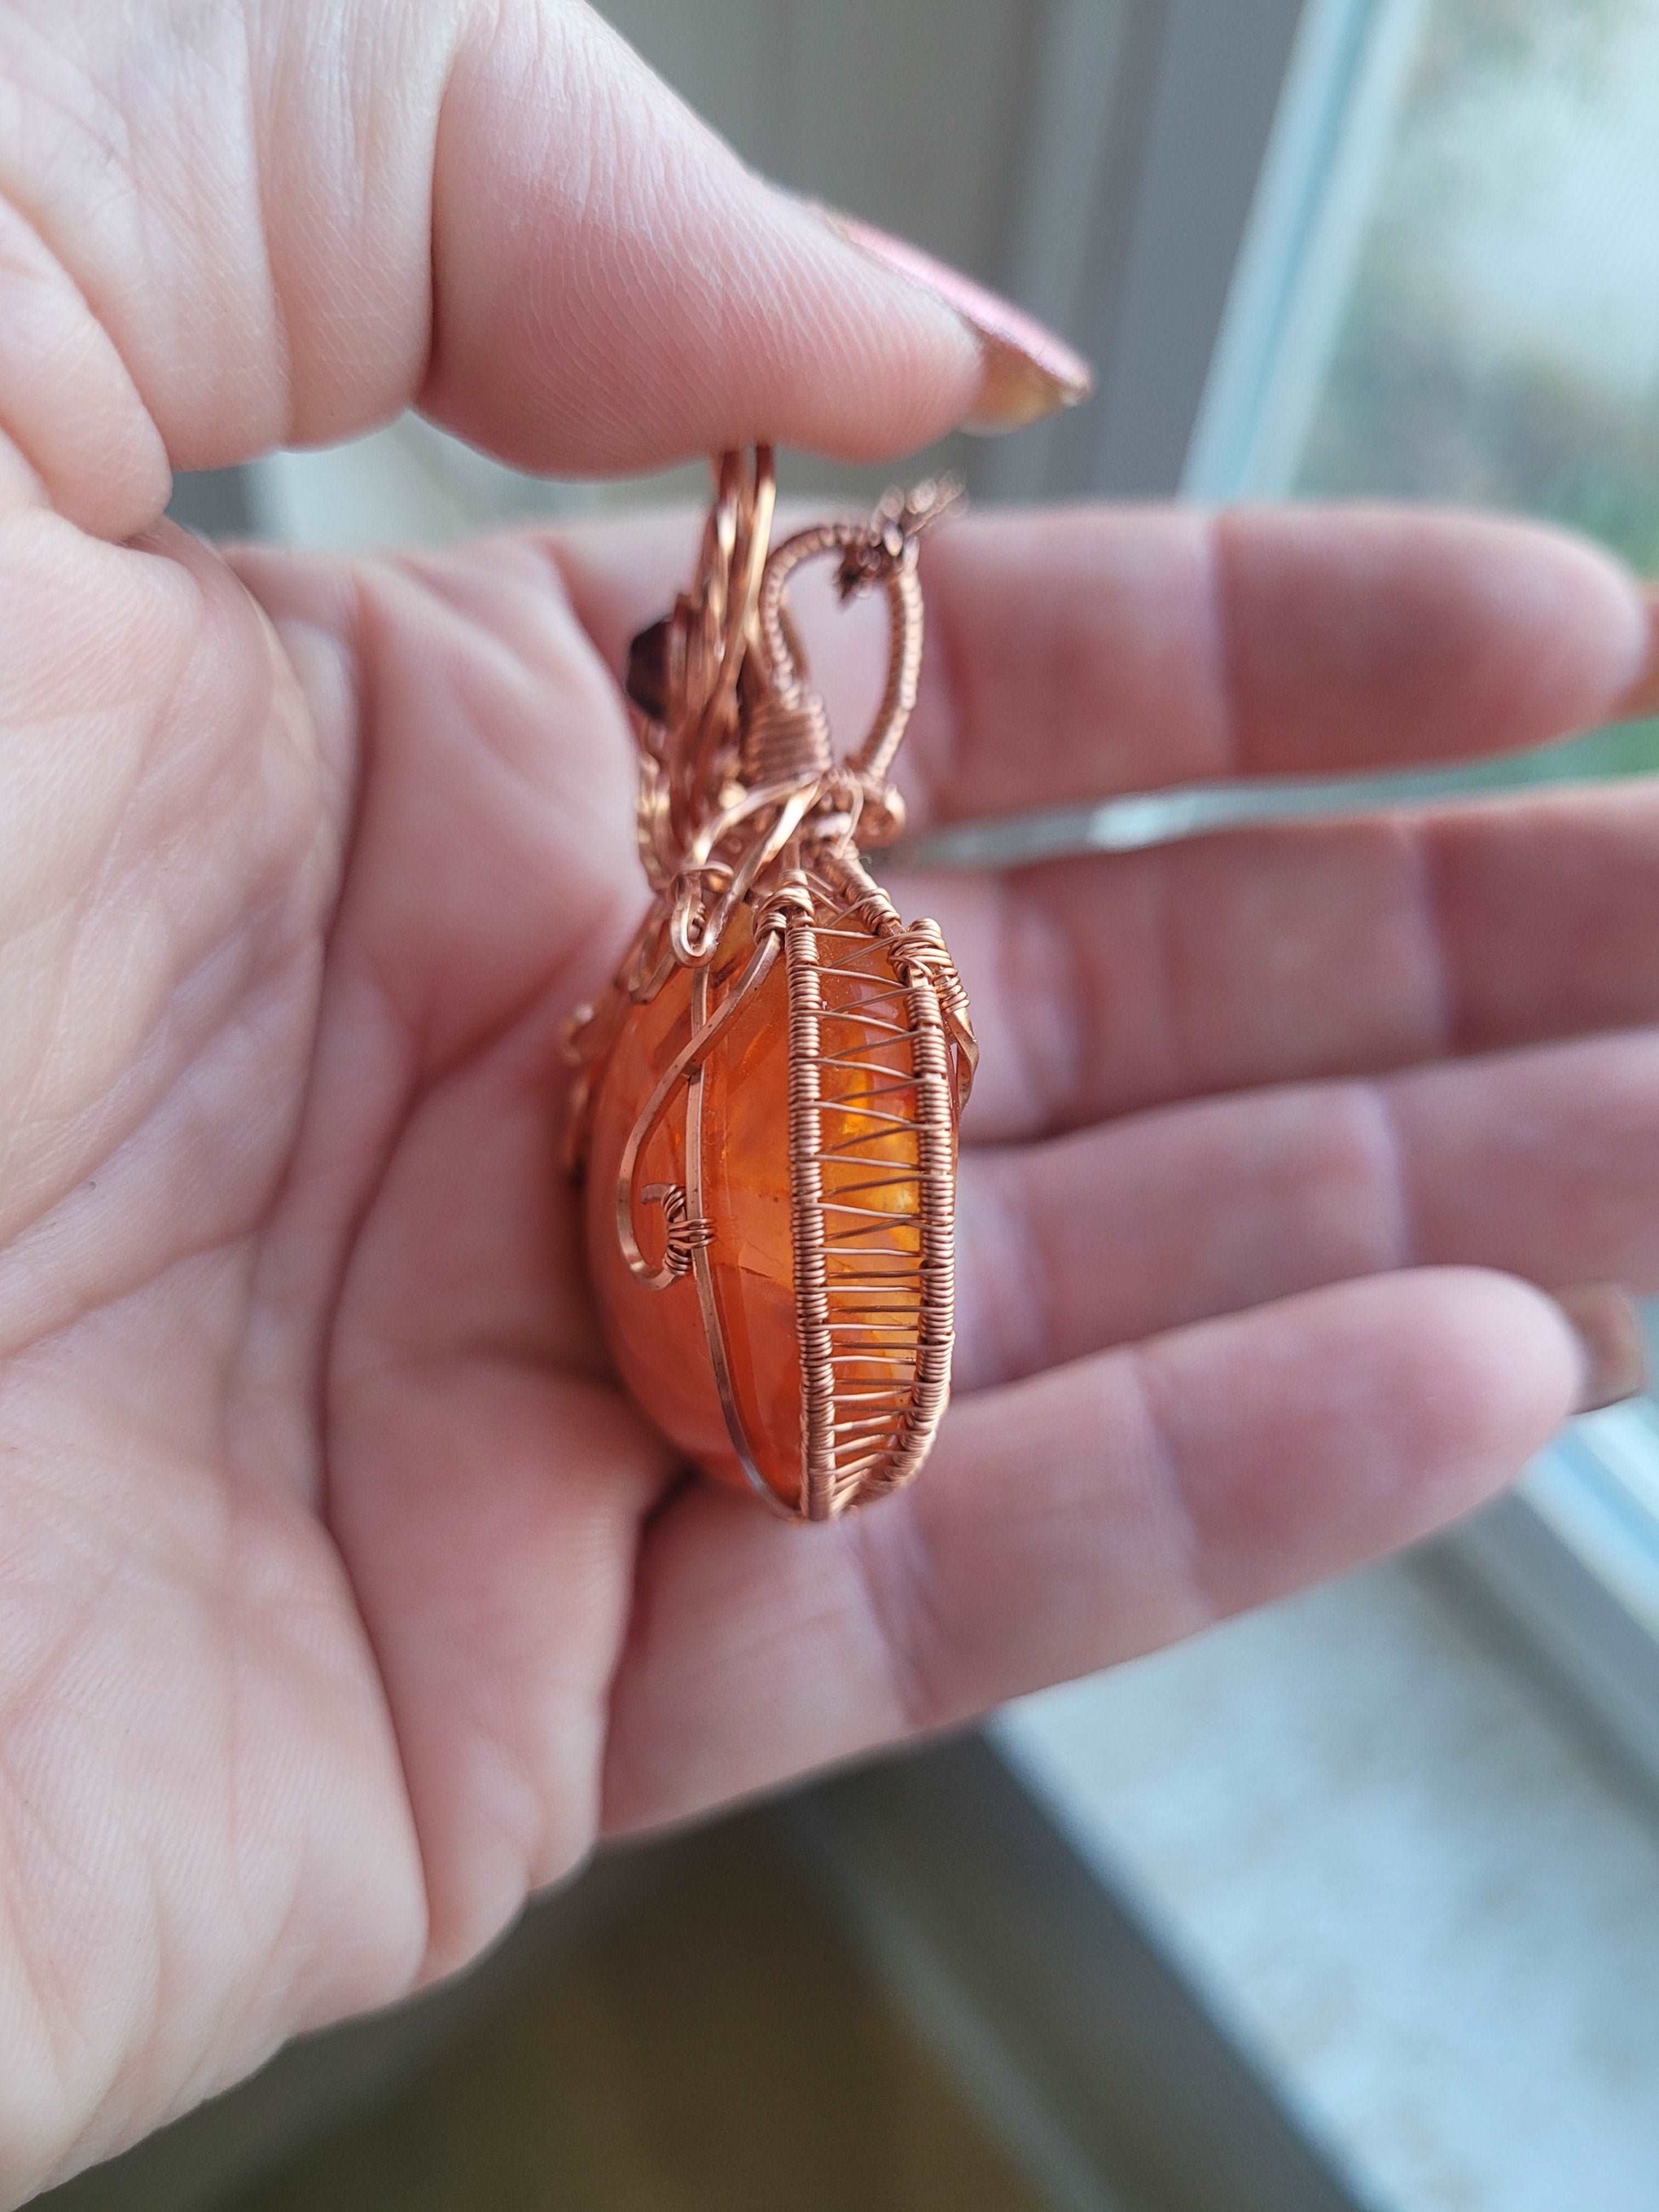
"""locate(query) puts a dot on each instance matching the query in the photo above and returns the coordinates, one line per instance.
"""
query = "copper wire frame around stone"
(782, 836)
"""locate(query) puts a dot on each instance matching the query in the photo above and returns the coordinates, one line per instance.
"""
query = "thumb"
(490, 209)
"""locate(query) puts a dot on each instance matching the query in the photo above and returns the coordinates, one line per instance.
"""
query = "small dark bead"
(647, 680)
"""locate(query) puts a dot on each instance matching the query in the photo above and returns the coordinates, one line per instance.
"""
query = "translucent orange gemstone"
(867, 1155)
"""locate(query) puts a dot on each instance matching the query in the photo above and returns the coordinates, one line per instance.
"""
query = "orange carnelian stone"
(871, 1209)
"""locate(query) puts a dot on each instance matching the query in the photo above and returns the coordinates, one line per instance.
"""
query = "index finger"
(1078, 654)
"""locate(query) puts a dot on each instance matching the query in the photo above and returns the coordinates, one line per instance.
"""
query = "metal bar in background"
(1067, 2022)
(1572, 1620)
(1071, 198)
(1210, 102)
(212, 503)
(1336, 120)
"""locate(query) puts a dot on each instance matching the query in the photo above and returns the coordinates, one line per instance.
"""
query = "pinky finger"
(1078, 1518)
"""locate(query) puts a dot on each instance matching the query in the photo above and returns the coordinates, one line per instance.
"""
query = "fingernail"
(1029, 373)
(1608, 1327)
(1642, 700)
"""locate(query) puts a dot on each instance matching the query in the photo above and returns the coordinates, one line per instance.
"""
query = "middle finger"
(1542, 1162)
(1106, 984)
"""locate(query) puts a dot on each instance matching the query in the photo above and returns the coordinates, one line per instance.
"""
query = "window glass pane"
(1499, 342)
(1497, 338)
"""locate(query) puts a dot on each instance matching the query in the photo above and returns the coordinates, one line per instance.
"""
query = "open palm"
(344, 1599)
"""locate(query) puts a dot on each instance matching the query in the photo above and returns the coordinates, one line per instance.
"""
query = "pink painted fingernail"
(1608, 1327)
(1642, 700)
(1029, 373)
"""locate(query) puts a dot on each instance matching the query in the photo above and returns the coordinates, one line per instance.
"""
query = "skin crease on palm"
(343, 1600)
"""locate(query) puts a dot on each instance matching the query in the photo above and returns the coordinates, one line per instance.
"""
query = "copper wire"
(742, 803)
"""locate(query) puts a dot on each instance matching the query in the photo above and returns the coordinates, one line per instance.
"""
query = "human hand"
(343, 1600)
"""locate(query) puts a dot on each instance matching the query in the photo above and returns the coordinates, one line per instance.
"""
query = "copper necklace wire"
(742, 802)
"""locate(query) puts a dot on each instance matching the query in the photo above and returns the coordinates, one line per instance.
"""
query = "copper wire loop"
(743, 803)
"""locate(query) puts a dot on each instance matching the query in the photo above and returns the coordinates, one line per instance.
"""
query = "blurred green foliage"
(1412, 407)
(1406, 414)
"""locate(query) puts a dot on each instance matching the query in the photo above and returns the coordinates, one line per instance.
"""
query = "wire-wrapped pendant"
(766, 1101)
